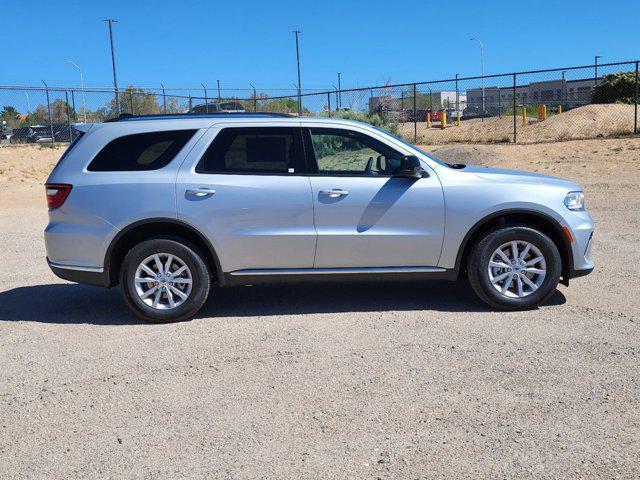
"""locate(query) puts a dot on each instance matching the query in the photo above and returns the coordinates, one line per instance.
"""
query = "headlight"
(574, 201)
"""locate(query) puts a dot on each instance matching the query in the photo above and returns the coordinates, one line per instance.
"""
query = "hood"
(516, 176)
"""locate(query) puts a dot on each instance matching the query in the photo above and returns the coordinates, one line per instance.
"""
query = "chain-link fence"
(524, 107)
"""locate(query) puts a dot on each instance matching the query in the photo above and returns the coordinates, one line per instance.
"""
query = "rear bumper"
(80, 274)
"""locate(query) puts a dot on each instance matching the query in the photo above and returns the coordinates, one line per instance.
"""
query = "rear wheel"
(164, 280)
(514, 268)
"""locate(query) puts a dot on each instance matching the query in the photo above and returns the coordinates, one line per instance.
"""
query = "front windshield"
(410, 145)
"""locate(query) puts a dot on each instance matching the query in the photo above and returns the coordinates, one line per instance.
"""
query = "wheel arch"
(533, 218)
(151, 228)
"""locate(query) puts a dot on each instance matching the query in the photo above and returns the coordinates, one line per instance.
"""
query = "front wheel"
(514, 268)
(164, 280)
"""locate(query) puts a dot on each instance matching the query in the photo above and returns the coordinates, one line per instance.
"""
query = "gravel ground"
(362, 381)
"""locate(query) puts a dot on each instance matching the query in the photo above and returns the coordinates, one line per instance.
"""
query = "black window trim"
(299, 145)
(311, 157)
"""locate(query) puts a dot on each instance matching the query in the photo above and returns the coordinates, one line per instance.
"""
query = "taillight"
(57, 193)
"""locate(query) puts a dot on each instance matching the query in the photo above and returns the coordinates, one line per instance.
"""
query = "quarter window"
(346, 152)
(141, 151)
(271, 150)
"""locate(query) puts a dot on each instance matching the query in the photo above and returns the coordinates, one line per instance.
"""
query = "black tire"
(478, 266)
(201, 279)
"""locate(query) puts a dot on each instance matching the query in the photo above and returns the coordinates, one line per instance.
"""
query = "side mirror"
(410, 167)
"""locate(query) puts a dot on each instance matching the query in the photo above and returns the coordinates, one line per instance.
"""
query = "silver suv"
(169, 206)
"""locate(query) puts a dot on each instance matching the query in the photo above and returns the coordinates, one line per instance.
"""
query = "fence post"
(206, 100)
(131, 101)
(46, 88)
(415, 115)
(635, 112)
(255, 98)
(515, 113)
(164, 99)
(190, 104)
(329, 103)
(75, 112)
(66, 97)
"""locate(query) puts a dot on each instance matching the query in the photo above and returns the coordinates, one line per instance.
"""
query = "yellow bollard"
(429, 119)
(542, 112)
(458, 118)
(443, 119)
(524, 116)
(559, 108)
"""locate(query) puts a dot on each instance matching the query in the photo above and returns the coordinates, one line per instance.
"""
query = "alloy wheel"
(517, 269)
(163, 281)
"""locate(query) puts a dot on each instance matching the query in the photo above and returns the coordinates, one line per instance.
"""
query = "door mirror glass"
(410, 167)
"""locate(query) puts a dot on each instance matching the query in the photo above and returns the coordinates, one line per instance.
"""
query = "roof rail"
(173, 116)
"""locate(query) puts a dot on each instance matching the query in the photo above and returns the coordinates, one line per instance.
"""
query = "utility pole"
(297, 32)
(595, 77)
(111, 21)
(482, 74)
(340, 90)
(218, 90)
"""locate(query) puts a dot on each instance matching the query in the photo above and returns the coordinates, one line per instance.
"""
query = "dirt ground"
(361, 381)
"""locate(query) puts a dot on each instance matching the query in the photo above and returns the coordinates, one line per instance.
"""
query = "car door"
(364, 216)
(245, 186)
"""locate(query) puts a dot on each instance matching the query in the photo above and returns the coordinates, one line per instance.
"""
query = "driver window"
(345, 152)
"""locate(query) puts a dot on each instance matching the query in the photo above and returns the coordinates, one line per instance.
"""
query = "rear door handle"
(334, 193)
(201, 192)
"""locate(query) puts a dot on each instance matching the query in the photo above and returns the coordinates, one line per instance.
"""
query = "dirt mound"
(28, 163)
(590, 121)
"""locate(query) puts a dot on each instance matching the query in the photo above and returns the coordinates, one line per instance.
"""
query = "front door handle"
(201, 192)
(334, 193)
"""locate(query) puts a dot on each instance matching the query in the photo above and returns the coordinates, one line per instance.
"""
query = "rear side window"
(140, 152)
(271, 150)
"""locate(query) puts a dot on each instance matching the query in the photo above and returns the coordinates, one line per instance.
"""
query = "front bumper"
(581, 228)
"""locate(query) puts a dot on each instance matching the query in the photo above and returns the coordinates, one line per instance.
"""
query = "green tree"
(132, 100)
(10, 115)
(60, 112)
(615, 88)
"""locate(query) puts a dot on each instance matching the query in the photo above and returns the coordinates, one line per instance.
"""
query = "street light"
(84, 107)
(482, 67)
(28, 102)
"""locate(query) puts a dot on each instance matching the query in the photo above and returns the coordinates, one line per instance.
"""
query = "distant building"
(569, 93)
(425, 100)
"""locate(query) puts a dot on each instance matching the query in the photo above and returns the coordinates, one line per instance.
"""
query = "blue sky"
(183, 43)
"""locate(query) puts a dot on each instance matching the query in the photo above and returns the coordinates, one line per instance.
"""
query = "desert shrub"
(380, 120)
(615, 88)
